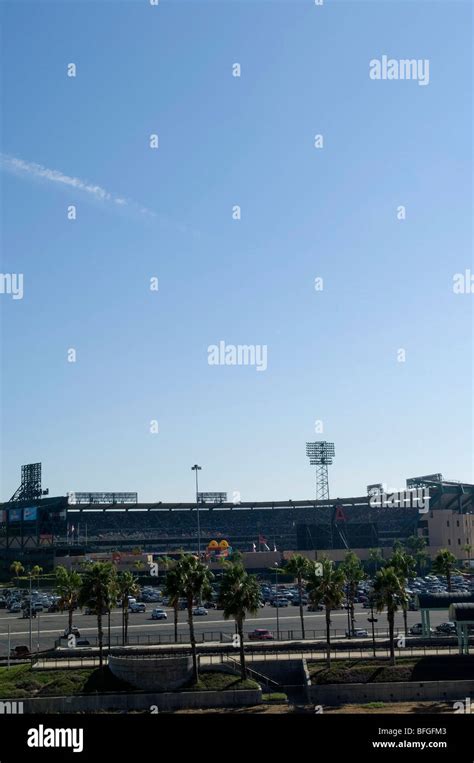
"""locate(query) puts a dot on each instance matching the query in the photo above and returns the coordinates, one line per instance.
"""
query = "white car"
(200, 611)
(159, 614)
(357, 633)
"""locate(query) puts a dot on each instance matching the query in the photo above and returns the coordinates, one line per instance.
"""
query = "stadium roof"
(462, 613)
(443, 600)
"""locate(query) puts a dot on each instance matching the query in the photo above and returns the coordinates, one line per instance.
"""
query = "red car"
(261, 634)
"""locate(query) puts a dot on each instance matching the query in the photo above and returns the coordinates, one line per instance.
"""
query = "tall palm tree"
(173, 588)
(298, 566)
(127, 585)
(239, 595)
(467, 548)
(405, 567)
(68, 587)
(445, 563)
(98, 591)
(36, 571)
(326, 589)
(388, 593)
(353, 573)
(375, 557)
(195, 580)
(17, 568)
(416, 546)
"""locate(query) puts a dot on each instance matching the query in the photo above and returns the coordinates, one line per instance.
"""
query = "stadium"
(37, 529)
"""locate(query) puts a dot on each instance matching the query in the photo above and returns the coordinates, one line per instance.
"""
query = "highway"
(142, 629)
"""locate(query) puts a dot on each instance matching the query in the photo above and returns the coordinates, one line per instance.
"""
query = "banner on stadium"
(30, 514)
(14, 515)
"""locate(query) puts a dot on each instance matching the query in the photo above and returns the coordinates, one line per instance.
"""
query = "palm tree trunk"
(70, 619)
(176, 613)
(123, 622)
(126, 623)
(351, 607)
(300, 591)
(405, 620)
(192, 638)
(391, 618)
(328, 637)
(100, 634)
(243, 667)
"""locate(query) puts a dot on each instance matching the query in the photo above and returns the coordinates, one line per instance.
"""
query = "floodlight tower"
(320, 455)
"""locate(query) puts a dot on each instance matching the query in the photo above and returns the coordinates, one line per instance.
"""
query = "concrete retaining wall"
(144, 702)
(404, 691)
(152, 673)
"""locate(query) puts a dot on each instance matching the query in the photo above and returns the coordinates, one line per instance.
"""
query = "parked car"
(357, 633)
(417, 630)
(159, 614)
(315, 608)
(198, 611)
(15, 607)
(280, 602)
(446, 629)
(137, 607)
(261, 634)
(20, 651)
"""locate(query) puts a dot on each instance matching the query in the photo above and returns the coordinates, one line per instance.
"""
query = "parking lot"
(48, 627)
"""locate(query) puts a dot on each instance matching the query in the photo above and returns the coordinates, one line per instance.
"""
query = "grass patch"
(433, 668)
(374, 705)
(20, 681)
(214, 681)
(275, 697)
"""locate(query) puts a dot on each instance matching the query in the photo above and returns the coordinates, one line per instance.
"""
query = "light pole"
(31, 614)
(277, 604)
(197, 469)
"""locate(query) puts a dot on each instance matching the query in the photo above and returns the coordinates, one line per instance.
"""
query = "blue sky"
(306, 213)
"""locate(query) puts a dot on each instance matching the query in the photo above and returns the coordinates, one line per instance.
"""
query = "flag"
(274, 547)
(266, 548)
(262, 539)
(254, 547)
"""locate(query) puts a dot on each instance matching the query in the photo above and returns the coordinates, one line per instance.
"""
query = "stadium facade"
(37, 531)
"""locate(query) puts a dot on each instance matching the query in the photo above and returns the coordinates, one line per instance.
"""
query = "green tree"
(445, 563)
(467, 548)
(99, 591)
(353, 573)
(376, 558)
(195, 584)
(326, 589)
(388, 593)
(17, 568)
(68, 586)
(421, 559)
(36, 571)
(239, 595)
(127, 585)
(405, 567)
(173, 588)
(299, 566)
(415, 543)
